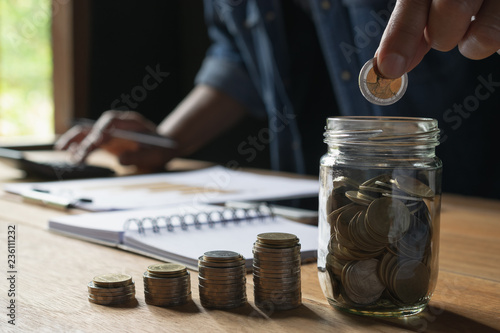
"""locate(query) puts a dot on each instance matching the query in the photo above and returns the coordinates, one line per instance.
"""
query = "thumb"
(403, 44)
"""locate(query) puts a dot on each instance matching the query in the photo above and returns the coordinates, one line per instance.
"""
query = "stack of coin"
(276, 271)
(380, 240)
(110, 289)
(222, 279)
(167, 285)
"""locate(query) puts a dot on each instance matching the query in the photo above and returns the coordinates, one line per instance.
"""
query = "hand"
(81, 141)
(416, 26)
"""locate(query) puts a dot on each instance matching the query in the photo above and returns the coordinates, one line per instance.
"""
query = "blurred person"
(296, 62)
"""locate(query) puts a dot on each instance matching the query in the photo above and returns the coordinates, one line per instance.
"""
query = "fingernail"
(469, 48)
(75, 159)
(77, 156)
(475, 49)
(392, 66)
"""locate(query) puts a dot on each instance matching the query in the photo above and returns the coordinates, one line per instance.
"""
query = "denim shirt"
(248, 60)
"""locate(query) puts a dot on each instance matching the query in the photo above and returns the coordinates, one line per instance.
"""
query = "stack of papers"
(211, 185)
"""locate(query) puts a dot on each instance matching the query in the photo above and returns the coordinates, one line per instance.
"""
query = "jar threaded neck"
(392, 138)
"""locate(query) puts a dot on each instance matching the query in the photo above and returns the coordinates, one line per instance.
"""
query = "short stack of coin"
(167, 285)
(111, 289)
(222, 279)
(276, 271)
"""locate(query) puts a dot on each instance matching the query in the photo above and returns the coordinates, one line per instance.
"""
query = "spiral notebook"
(183, 233)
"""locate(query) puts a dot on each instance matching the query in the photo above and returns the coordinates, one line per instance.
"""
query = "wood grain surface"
(54, 270)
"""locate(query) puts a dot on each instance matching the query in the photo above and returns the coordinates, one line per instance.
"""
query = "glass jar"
(379, 210)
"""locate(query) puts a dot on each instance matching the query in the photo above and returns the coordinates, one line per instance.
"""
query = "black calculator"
(52, 170)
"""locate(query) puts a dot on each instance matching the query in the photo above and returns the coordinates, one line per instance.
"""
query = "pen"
(149, 139)
(45, 198)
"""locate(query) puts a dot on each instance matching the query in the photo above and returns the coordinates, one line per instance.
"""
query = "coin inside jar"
(378, 89)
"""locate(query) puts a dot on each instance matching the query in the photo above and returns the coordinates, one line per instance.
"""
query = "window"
(26, 104)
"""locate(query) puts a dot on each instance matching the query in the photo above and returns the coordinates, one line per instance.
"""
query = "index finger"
(403, 43)
(483, 36)
(96, 137)
(102, 131)
(74, 135)
(449, 21)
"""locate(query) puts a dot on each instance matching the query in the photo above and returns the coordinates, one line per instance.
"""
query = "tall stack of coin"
(276, 271)
(167, 285)
(380, 245)
(111, 289)
(222, 279)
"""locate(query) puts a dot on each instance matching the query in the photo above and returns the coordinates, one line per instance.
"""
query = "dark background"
(115, 43)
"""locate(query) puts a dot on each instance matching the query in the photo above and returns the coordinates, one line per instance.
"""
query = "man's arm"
(224, 92)
(200, 117)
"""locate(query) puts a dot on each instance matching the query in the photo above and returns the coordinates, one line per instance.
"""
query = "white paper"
(211, 185)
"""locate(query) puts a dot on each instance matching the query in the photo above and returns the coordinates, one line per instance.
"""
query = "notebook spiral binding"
(209, 218)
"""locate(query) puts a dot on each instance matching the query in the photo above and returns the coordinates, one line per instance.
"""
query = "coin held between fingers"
(378, 89)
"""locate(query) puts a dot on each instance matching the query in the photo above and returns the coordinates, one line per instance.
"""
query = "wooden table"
(53, 272)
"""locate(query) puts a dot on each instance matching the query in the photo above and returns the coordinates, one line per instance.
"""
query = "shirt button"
(325, 4)
(345, 75)
(270, 16)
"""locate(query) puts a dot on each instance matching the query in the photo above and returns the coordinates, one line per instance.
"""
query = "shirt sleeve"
(223, 67)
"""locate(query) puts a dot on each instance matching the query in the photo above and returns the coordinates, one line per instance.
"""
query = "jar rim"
(382, 118)
(382, 130)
